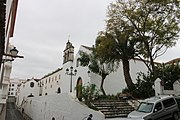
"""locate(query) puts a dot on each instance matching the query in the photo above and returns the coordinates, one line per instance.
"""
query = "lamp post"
(71, 73)
(12, 55)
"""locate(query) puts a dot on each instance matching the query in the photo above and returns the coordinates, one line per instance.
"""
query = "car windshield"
(145, 107)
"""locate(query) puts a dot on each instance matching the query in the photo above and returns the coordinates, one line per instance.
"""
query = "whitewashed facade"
(55, 94)
(13, 87)
(159, 84)
(25, 89)
(58, 107)
(5, 71)
(60, 82)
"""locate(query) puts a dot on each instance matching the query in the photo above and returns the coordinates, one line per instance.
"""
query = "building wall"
(51, 83)
(61, 107)
(25, 89)
(13, 86)
(115, 79)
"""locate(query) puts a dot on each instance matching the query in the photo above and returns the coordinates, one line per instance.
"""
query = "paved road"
(12, 113)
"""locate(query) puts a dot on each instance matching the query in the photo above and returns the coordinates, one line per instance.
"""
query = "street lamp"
(13, 54)
(71, 73)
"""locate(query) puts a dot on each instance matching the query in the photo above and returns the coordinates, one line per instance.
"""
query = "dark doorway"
(59, 90)
(79, 89)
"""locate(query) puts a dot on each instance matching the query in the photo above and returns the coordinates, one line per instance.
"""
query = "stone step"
(116, 115)
(113, 108)
(115, 111)
(111, 103)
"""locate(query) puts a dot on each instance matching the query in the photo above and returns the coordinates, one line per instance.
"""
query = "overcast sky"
(42, 30)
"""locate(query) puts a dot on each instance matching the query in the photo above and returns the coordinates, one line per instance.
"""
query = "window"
(8, 93)
(169, 102)
(53, 118)
(46, 81)
(145, 107)
(12, 93)
(78, 62)
(59, 77)
(52, 79)
(46, 87)
(49, 80)
(32, 84)
(12, 89)
(59, 90)
(45, 93)
(51, 86)
(55, 78)
(12, 84)
(158, 107)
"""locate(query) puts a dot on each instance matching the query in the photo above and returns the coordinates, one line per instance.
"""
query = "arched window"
(59, 90)
(53, 118)
(78, 62)
(32, 84)
(31, 95)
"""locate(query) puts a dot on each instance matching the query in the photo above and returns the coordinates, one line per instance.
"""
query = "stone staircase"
(113, 108)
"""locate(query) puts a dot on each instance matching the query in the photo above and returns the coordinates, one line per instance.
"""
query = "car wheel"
(175, 116)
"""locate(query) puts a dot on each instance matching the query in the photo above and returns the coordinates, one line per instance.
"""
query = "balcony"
(6, 80)
(3, 98)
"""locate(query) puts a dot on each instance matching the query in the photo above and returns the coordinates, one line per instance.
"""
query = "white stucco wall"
(25, 90)
(114, 82)
(176, 86)
(53, 82)
(61, 107)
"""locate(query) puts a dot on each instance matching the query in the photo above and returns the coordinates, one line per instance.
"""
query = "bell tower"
(68, 53)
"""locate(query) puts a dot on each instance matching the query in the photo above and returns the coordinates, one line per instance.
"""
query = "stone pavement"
(122, 119)
(12, 113)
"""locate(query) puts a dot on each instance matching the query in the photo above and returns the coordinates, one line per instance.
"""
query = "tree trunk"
(102, 83)
(126, 71)
(149, 52)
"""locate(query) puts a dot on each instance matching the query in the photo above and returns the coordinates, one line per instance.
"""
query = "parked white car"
(157, 108)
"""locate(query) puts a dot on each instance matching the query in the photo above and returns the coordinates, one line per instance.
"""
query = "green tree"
(96, 65)
(89, 93)
(115, 46)
(154, 25)
(138, 28)
(143, 87)
(169, 73)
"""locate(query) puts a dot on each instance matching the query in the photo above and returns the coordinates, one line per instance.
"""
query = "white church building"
(54, 96)
(63, 81)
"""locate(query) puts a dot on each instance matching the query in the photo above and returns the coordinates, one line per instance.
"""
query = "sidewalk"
(12, 113)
